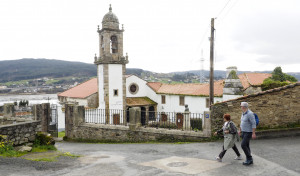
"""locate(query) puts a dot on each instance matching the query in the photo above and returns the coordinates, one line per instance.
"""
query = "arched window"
(113, 44)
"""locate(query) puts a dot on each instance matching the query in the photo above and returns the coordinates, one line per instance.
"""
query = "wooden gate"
(116, 119)
(164, 117)
(179, 120)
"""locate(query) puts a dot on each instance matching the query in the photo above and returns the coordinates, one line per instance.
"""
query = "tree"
(278, 79)
(277, 75)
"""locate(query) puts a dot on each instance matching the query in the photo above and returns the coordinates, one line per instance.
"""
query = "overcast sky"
(160, 35)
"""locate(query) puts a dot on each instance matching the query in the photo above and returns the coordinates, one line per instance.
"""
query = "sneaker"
(238, 157)
(218, 159)
(248, 162)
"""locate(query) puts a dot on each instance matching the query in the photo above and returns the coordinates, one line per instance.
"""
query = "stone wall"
(21, 133)
(20, 130)
(93, 101)
(76, 128)
(110, 133)
(276, 107)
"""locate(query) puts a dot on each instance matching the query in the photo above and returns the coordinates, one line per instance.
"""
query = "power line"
(222, 9)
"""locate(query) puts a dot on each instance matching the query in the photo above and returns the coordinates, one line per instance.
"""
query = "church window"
(113, 44)
(133, 88)
(116, 92)
(181, 100)
(163, 99)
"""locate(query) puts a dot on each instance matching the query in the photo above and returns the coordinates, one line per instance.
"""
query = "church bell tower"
(111, 64)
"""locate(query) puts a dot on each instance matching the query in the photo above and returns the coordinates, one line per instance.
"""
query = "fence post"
(8, 110)
(206, 124)
(186, 118)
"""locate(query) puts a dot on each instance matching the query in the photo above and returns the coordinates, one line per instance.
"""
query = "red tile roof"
(253, 79)
(82, 90)
(139, 101)
(154, 85)
(194, 89)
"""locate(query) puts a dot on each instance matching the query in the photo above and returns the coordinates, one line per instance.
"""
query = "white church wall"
(101, 87)
(115, 83)
(142, 90)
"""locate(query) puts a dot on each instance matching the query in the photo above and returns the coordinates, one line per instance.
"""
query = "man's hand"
(215, 133)
(253, 136)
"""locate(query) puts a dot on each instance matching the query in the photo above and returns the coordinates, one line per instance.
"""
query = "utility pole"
(211, 75)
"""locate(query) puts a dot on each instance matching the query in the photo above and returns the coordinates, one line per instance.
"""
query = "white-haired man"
(247, 131)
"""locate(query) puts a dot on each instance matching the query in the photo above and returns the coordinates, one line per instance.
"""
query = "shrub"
(5, 145)
(43, 139)
(271, 84)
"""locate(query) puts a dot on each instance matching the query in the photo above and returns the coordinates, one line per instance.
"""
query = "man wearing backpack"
(247, 131)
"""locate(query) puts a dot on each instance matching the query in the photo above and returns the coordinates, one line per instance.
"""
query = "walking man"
(247, 131)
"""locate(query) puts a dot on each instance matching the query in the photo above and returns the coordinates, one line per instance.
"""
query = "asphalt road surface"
(272, 157)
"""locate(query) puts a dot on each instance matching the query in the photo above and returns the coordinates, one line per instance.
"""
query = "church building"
(115, 90)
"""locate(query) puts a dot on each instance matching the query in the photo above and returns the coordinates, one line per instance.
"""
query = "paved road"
(272, 157)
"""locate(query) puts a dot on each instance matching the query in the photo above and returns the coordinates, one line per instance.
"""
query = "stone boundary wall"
(76, 128)
(276, 107)
(21, 133)
(24, 132)
(110, 133)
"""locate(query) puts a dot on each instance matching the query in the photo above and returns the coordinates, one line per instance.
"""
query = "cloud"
(274, 36)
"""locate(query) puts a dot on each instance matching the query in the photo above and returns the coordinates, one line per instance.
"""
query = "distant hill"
(15, 70)
(23, 69)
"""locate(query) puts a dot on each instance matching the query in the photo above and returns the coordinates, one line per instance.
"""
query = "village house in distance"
(112, 89)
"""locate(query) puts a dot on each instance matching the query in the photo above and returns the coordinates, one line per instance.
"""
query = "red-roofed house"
(85, 94)
(252, 81)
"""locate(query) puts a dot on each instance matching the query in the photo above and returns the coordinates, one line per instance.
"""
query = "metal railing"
(149, 119)
(172, 120)
(102, 116)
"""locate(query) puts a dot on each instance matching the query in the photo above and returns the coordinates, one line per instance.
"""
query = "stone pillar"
(134, 118)
(206, 124)
(45, 116)
(8, 110)
(74, 116)
(186, 118)
(147, 115)
(37, 112)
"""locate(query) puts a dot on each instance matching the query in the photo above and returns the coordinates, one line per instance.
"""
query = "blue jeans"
(246, 144)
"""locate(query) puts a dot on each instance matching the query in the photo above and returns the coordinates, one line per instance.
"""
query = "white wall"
(81, 102)
(229, 97)
(101, 87)
(196, 104)
(115, 82)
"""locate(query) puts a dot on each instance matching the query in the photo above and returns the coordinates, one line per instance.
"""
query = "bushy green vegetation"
(278, 79)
